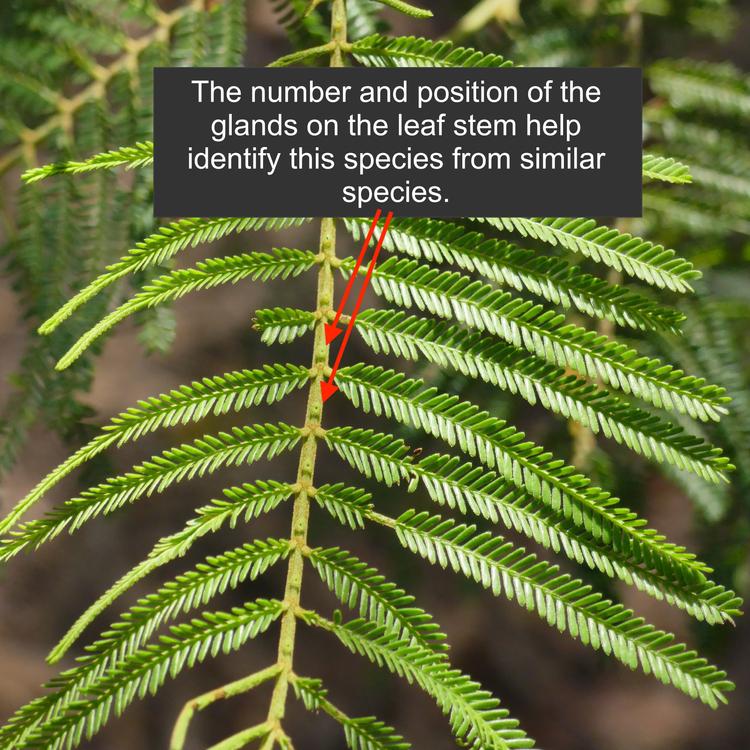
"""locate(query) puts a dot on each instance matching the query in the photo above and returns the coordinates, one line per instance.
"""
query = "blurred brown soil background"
(566, 696)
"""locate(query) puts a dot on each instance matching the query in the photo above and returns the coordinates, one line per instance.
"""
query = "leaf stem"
(243, 738)
(66, 107)
(313, 420)
(305, 476)
(193, 706)
(305, 54)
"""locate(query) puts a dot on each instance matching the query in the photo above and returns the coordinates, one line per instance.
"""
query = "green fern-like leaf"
(283, 325)
(131, 157)
(516, 339)
(665, 169)
(160, 247)
(545, 333)
(690, 84)
(407, 8)
(474, 714)
(563, 601)
(550, 278)
(384, 52)
(377, 455)
(248, 501)
(634, 256)
(136, 626)
(474, 489)
(536, 381)
(243, 445)
(280, 263)
(362, 733)
(347, 505)
(369, 733)
(145, 670)
(190, 403)
(504, 449)
(359, 586)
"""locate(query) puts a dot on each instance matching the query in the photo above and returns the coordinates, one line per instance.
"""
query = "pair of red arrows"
(328, 388)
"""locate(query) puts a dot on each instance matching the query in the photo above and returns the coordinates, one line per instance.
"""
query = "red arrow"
(332, 329)
(329, 388)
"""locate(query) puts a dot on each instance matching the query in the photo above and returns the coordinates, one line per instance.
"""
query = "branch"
(313, 419)
(193, 706)
(241, 739)
(68, 106)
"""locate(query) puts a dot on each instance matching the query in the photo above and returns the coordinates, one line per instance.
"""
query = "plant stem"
(305, 476)
(313, 420)
(302, 55)
(243, 738)
(193, 706)
(67, 106)
(338, 32)
(483, 14)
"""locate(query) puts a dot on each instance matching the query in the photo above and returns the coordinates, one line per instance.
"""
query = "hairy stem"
(313, 420)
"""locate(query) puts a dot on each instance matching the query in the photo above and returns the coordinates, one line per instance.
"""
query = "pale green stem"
(243, 738)
(305, 54)
(376, 517)
(338, 32)
(313, 419)
(67, 107)
(271, 729)
(243, 685)
(484, 13)
(305, 476)
(277, 737)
